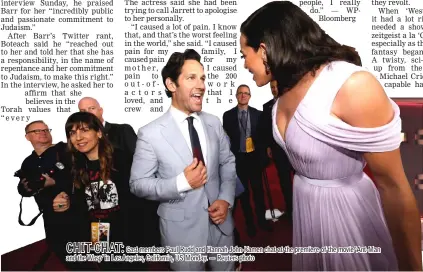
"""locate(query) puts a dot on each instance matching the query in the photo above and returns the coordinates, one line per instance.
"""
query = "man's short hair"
(242, 85)
(33, 122)
(174, 65)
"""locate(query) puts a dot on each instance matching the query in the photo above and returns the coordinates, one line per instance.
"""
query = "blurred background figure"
(240, 123)
(274, 152)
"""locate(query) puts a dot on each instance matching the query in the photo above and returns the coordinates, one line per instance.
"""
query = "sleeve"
(144, 181)
(225, 122)
(130, 139)
(264, 128)
(266, 119)
(263, 142)
(64, 181)
(182, 183)
(122, 168)
(21, 189)
(335, 132)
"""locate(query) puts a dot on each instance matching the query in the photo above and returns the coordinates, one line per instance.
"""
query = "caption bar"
(118, 252)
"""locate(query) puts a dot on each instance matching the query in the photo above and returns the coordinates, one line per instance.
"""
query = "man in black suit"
(123, 136)
(274, 151)
(240, 123)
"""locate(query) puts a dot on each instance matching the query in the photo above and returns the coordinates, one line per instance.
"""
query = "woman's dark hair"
(295, 44)
(79, 160)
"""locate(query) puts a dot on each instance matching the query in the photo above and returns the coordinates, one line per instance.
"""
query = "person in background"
(98, 172)
(332, 118)
(241, 123)
(274, 152)
(42, 179)
(124, 137)
(239, 190)
(121, 136)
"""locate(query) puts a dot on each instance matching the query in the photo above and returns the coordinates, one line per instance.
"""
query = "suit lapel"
(236, 123)
(107, 127)
(176, 140)
(208, 132)
(210, 142)
(252, 119)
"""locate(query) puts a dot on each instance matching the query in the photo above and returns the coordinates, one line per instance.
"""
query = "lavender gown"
(335, 202)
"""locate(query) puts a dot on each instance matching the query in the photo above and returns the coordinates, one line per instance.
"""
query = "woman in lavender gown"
(332, 118)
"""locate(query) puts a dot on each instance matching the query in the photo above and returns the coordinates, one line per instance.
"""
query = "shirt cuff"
(182, 183)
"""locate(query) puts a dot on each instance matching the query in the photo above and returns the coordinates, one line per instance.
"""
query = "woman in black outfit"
(101, 184)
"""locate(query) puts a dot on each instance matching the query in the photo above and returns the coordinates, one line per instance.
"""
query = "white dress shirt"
(182, 122)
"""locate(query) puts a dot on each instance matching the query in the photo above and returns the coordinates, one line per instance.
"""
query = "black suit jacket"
(123, 137)
(231, 126)
(266, 131)
(266, 137)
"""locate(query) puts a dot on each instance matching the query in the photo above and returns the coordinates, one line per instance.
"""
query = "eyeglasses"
(38, 131)
(248, 94)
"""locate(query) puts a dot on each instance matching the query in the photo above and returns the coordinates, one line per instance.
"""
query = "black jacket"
(266, 131)
(267, 139)
(123, 137)
(35, 165)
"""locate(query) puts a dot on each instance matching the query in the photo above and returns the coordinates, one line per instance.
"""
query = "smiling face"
(85, 140)
(254, 62)
(38, 134)
(188, 90)
(243, 95)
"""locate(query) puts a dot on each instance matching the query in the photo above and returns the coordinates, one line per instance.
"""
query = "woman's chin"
(260, 82)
